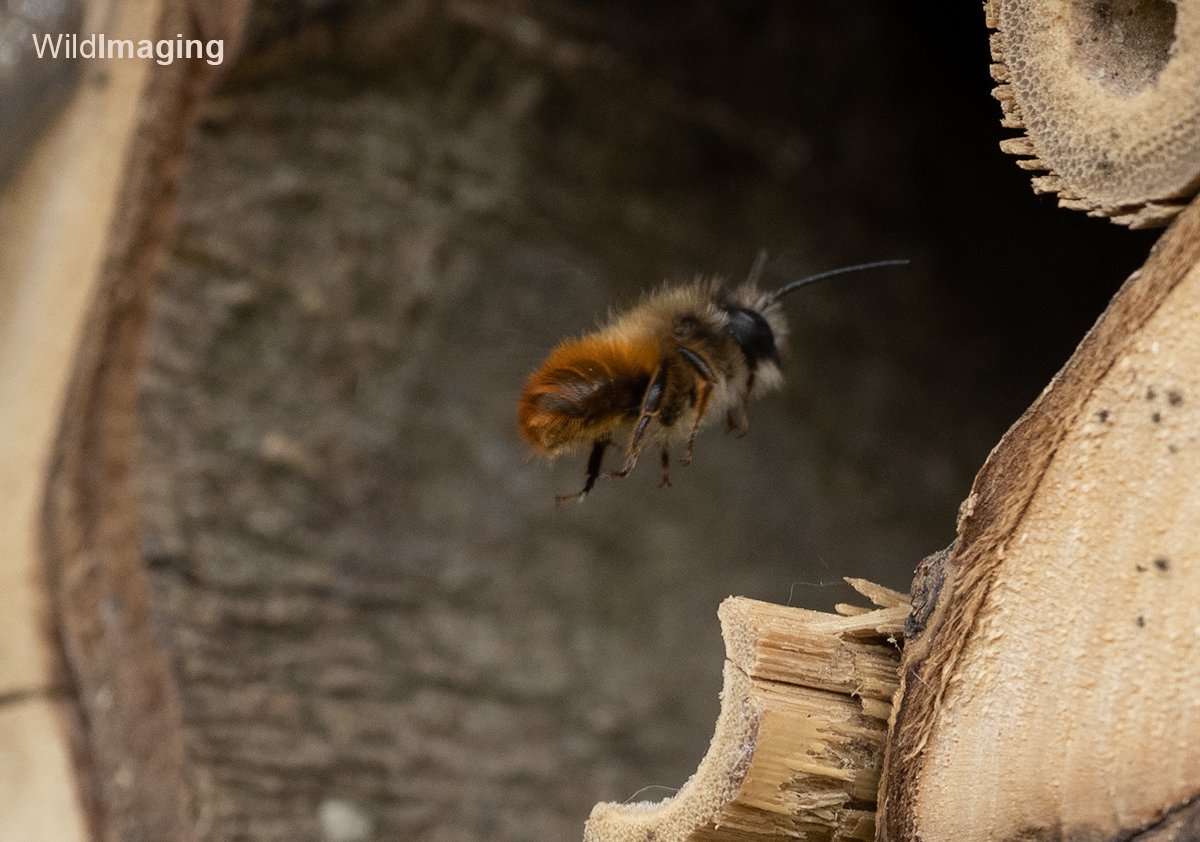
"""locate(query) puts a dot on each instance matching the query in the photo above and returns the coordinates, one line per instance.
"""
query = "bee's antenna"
(756, 270)
(810, 279)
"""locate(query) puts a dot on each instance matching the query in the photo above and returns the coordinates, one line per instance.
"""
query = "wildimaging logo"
(99, 46)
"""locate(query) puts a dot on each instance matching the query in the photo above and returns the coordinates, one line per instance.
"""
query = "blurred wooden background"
(371, 609)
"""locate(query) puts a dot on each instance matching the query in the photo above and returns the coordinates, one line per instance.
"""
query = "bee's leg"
(666, 467)
(595, 458)
(739, 420)
(702, 400)
(651, 405)
(704, 374)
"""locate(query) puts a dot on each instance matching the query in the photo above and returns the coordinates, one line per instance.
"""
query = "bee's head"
(753, 334)
(754, 321)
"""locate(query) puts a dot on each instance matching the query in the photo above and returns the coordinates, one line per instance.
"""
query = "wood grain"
(1051, 690)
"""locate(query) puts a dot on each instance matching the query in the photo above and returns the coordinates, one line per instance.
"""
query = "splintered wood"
(799, 741)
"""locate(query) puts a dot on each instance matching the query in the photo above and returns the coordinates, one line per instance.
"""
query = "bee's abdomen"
(585, 390)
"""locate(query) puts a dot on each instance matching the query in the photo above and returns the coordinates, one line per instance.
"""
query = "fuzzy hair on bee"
(659, 372)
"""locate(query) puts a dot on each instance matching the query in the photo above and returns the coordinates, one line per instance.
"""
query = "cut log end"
(1048, 690)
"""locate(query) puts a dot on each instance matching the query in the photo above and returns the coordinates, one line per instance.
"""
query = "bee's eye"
(752, 334)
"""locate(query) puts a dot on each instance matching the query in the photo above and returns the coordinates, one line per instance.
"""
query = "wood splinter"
(799, 741)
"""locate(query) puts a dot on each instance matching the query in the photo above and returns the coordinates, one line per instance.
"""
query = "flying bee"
(660, 370)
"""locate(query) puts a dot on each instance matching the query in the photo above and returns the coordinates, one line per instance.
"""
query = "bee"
(661, 370)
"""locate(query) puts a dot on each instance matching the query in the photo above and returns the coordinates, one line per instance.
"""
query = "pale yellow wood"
(38, 801)
(1052, 688)
(1078, 695)
(880, 595)
(55, 215)
(54, 218)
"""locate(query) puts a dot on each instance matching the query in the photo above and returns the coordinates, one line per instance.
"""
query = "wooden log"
(1105, 94)
(798, 742)
(1050, 690)
(86, 714)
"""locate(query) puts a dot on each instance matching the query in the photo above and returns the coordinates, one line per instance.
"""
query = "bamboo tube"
(798, 744)
(1105, 94)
